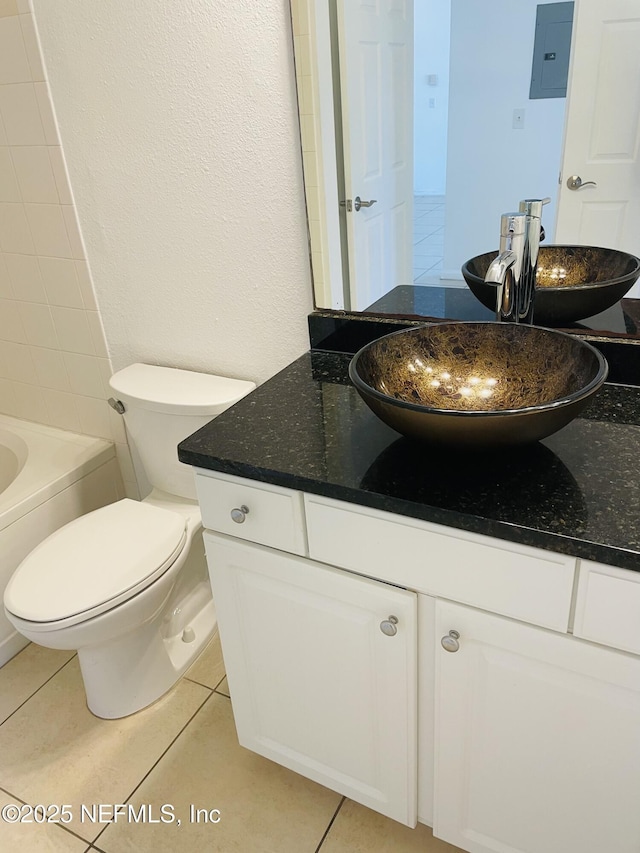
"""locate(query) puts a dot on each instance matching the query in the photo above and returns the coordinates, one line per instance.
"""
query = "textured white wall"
(179, 127)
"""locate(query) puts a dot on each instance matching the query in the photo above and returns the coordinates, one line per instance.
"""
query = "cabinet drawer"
(514, 580)
(608, 606)
(275, 515)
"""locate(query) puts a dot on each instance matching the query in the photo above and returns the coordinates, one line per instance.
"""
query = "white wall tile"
(35, 174)
(21, 114)
(29, 403)
(15, 234)
(124, 461)
(97, 334)
(94, 416)
(11, 328)
(73, 230)
(131, 490)
(47, 117)
(48, 230)
(86, 285)
(7, 398)
(17, 363)
(50, 369)
(8, 7)
(32, 47)
(73, 331)
(61, 282)
(60, 174)
(24, 273)
(116, 421)
(62, 410)
(14, 65)
(84, 374)
(54, 365)
(106, 373)
(38, 324)
(9, 189)
(6, 290)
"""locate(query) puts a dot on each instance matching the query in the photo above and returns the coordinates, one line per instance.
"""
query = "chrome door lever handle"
(358, 203)
(575, 182)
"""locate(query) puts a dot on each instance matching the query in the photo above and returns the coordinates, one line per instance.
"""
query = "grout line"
(59, 824)
(160, 757)
(216, 688)
(22, 704)
(326, 832)
(202, 684)
(9, 794)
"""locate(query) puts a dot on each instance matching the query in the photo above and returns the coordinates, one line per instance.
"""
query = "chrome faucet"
(514, 270)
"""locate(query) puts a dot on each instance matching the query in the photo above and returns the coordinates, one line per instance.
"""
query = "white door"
(602, 135)
(376, 77)
(315, 684)
(537, 740)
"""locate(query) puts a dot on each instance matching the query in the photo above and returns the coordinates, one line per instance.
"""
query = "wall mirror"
(418, 131)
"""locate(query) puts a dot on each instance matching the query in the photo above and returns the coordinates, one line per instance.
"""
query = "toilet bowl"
(127, 585)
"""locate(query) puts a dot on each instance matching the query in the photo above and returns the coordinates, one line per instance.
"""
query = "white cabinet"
(608, 606)
(503, 577)
(315, 682)
(537, 740)
(524, 740)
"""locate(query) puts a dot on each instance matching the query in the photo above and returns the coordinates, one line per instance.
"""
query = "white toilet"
(127, 585)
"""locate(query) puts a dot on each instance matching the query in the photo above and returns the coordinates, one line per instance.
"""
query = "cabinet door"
(537, 740)
(315, 683)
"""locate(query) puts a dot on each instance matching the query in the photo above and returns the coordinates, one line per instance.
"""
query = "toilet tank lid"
(170, 389)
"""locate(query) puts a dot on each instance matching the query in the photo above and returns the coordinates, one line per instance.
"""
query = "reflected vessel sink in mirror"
(477, 384)
(572, 282)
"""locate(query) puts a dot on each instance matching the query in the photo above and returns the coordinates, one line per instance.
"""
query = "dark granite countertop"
(459, 303)
(577, 492)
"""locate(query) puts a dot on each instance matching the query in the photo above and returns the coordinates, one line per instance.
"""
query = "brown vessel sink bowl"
(572, 282)
(477, 384)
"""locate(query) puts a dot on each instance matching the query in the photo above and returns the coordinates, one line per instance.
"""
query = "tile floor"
(179, 753)
(428, 238)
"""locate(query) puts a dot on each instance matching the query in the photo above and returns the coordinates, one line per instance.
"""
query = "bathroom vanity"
(445, 638)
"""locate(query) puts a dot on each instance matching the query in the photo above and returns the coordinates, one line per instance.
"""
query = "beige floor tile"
(34, 837)
(55, 751)
(359, 830)
(209, 667)
(263, 807)
(223, 687)
(25, 673)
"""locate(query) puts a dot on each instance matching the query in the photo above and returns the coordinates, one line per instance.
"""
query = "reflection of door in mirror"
(376, 70)
(602, 137)
(485, 175)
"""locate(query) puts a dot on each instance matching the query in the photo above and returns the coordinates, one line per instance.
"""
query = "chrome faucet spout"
(506, 269)
(515, 268)
(500, 272)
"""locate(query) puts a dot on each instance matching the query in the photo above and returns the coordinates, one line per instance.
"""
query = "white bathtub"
(47, 478)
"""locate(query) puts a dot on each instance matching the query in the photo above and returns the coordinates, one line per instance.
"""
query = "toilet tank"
(163, 405)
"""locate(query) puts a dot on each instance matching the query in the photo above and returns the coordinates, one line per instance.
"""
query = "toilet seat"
(94, 563)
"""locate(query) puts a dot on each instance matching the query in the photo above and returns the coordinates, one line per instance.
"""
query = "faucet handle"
(533, 206)
(513, 224)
